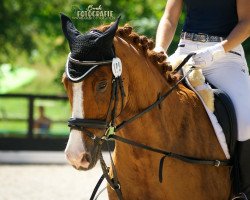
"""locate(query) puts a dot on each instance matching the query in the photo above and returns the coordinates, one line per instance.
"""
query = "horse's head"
(88, 81)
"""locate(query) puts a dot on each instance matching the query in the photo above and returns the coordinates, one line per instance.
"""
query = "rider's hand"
(207, 56)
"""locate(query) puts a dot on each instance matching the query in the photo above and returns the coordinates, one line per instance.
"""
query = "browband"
(78, 62)
(90, 66)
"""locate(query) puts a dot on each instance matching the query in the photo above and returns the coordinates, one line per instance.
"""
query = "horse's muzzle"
(82, 162)
(85, 161)
(81, 151)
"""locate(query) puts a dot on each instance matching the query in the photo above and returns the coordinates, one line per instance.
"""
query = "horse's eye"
(102, 86)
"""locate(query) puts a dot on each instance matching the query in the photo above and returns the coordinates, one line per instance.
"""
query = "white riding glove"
(207, 56)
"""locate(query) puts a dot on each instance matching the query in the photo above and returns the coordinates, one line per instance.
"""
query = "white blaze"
(75, 146)
(77, 110)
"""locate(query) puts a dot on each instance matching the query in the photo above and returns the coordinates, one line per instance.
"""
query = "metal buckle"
(110, 131)
(217, 163)
(183, 35)
(203, 37)
(192, 36)
(117, 187)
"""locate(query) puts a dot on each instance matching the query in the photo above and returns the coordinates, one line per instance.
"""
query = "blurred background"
(32, 58)
(33, 104)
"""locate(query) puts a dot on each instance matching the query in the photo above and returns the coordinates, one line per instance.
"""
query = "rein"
(160, 98)
(110, 128)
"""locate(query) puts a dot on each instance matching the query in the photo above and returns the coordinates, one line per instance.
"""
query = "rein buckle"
(217, 163)
(109, 132)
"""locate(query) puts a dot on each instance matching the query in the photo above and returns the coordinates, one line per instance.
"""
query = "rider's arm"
(240, 33)
(168, 23)
(242, 30)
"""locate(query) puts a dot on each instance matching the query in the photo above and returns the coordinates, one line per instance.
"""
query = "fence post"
(31, 117)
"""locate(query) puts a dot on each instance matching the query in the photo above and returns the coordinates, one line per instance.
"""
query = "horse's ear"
(68, 28)
(109, 34)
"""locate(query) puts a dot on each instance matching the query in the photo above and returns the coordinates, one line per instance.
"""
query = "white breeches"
(231, 75)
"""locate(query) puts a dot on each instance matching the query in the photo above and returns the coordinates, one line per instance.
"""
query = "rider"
(215, 30)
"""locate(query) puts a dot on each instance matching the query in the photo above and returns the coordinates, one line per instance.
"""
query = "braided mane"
(146, 46)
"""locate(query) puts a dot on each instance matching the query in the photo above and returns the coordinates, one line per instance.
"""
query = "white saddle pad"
(217, 128)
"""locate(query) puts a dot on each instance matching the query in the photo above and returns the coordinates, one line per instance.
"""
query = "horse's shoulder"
(186, 95)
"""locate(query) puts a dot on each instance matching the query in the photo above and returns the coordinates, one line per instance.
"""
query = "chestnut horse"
(179, 124)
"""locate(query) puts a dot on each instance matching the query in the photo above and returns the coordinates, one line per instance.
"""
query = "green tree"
(30, 31)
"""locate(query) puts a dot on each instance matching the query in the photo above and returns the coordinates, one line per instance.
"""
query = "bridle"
(110, 128)
(117, 85)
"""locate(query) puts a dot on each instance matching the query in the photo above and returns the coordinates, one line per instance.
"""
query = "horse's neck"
(179, 124)
(144, 79)
(146, 84)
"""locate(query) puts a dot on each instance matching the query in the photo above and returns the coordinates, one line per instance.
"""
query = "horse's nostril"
(86, 158)
(82, 161)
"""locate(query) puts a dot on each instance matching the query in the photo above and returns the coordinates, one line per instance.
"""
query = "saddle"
(226, 116)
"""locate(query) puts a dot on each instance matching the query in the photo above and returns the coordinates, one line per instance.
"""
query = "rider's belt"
(201, 37)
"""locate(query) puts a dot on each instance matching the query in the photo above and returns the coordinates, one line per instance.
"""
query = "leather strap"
(156, 103)
(187, 159)
(186, 59)
(113, 182)
(97, 187)
(87, 63)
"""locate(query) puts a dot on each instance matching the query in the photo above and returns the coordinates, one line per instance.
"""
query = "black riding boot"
(244, 168)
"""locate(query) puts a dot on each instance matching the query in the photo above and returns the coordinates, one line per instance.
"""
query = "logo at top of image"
(92, 12)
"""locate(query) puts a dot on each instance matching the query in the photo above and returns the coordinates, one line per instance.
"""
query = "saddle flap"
(226, 116)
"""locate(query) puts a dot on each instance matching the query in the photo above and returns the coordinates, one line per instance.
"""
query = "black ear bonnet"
(89, 50)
